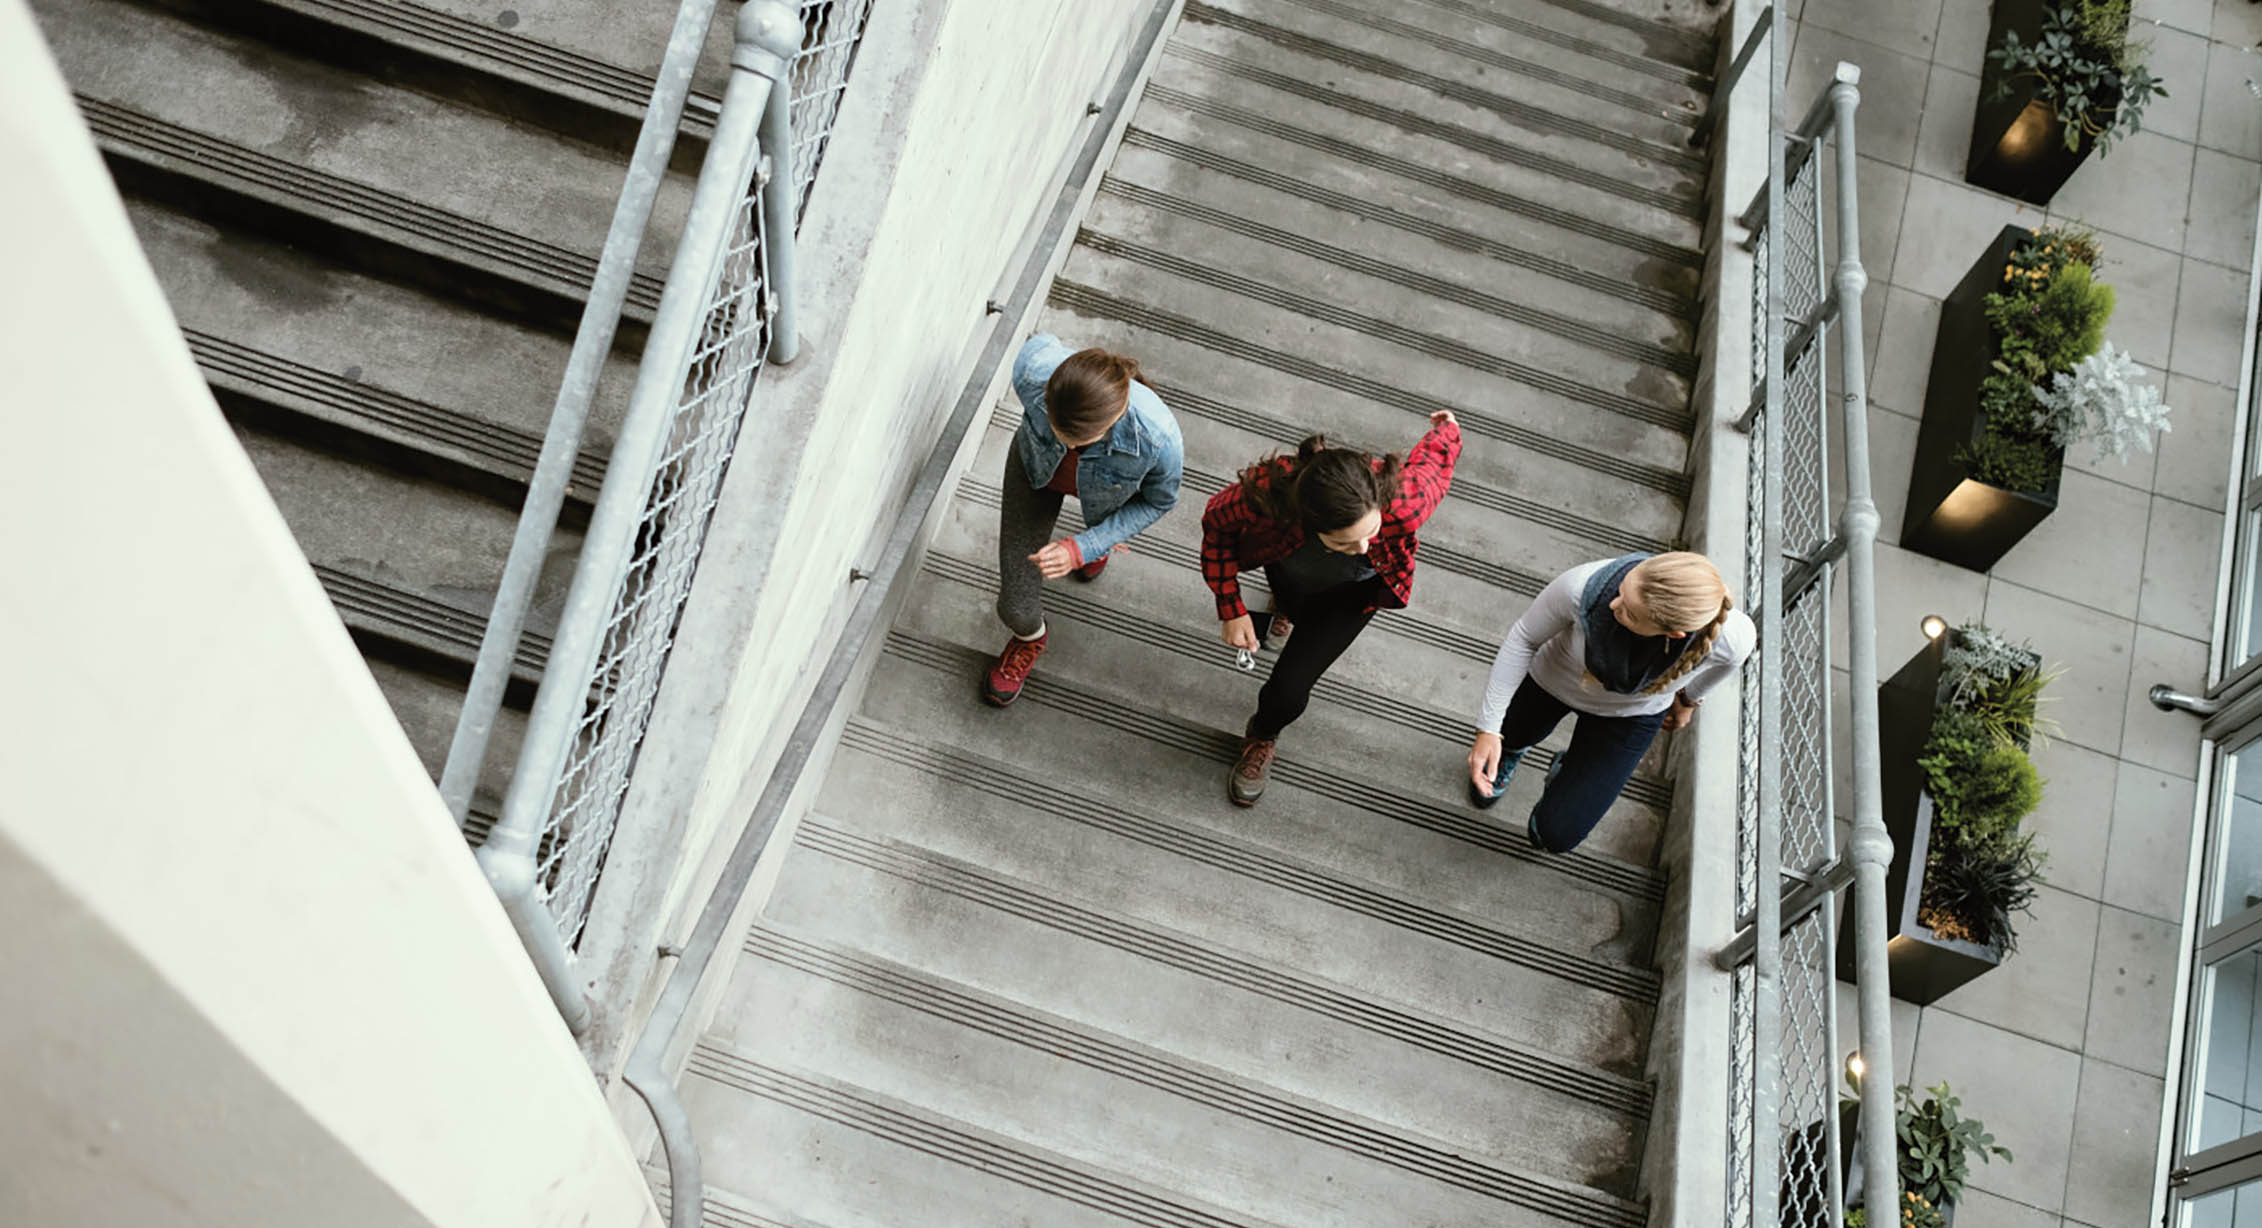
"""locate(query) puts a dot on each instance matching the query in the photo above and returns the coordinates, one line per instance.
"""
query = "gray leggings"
(1024, 525)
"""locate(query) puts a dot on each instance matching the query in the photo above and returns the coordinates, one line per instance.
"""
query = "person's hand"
(1441, 417)
(1678, 716)
(1239, 633)
(1484, 762)
(1055, 560)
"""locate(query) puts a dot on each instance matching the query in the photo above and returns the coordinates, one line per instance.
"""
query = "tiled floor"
(2062, 1050)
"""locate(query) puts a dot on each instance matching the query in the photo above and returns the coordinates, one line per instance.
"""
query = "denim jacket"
(1126, 481)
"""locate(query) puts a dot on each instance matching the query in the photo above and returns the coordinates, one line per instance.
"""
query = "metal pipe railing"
(768, 33)
(569, 416)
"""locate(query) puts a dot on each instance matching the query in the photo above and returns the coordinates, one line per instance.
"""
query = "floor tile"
(1946, 227)
(2089, 700)
(1892, 453)
(2099, 193)
(2147, 862)
(2179, 59)
(2179, 568)
(2194, 464)
(1943, 135)
(1962, 41)
(2022, 1090)
(1980, 1209)
(1909, 587)
(2074, 823)
(2238, 22)
(2230, 110)
(1892, 88)
(2210, 323)
(1906, 26)
(2116, 1138)
(2144, 280)
(2090, 550)
(2194, 16)
(1902, 365)
(2042, 989)
(2163, 741)
(1883, 191)
(2132, 998)
(2220, 228)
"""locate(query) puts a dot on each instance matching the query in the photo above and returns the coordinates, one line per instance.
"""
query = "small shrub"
(2102, 401)
(1937, 1143)
(1971, 890)
(2013, 464)
(2086, 67)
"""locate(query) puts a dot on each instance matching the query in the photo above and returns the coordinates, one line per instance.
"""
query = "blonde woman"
(1630, 645)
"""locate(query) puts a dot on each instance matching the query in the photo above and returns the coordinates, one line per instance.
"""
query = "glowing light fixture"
(1934, 626)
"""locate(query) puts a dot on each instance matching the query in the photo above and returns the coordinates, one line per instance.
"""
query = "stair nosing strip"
(1120, 1057)
(1669, 304)
(1678, 362)
(1529, 114)
(1467, 189)
(1375, 902)
(1090, 300)
(1508, 153)
(958, 1142)
(1663, 69)
(1221, 746)
(1575, 82)
(1197, 957)
(414, 612)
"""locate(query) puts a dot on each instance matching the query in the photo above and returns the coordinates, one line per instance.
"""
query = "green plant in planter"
(1979, 870)
(2086, 67)
(1915, 1213)
(1937, 1142)
(1971, 893)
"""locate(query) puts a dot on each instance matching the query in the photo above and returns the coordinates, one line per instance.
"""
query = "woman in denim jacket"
(1090, 429)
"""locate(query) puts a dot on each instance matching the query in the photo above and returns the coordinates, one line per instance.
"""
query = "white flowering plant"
(2103, 400)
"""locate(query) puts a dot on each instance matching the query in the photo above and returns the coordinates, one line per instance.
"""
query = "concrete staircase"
(376, 221)
(1027, 967)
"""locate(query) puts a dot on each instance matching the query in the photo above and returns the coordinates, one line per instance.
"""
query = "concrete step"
(1007, 1067)
(1361, 347)
(234, 129)
(474, 61)
(832, 1150)
(387, 620)
(427, 705)
(1364, 726)
(1463, 323)
(1677, 53)
(1255, 95)
(1676, 31)
(1552, 100)
(1149, 166)
(722, 1208)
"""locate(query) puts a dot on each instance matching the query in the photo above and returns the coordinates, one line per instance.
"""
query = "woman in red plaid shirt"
(1333, 529)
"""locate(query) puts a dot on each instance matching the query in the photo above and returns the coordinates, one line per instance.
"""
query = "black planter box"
(2018, 143)
(1923, 966)
(1952, 516)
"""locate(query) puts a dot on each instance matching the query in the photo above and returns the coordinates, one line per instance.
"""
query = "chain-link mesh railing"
(1784, 1147)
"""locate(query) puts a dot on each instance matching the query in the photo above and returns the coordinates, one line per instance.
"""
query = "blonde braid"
(1699, 647)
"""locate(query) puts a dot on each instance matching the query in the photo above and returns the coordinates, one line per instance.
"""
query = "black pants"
(1326, 623)
(1603, 754)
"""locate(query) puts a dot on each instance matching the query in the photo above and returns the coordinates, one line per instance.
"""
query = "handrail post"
(780, 204)
(768, 34)
(561, 444)
(1871, 846)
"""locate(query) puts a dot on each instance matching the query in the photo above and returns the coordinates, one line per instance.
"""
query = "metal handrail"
(1785, 579)
(768, 33)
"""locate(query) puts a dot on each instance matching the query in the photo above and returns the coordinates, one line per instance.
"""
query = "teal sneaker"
(1500, 778)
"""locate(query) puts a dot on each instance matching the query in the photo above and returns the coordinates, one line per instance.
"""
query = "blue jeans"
(1603, 754)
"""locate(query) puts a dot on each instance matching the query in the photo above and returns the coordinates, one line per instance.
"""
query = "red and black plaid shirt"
(1237, 538)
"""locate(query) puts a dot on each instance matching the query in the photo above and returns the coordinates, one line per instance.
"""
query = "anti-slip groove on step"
(1698, 77)
(1464, 240)
(1002, 781)
(1206, 650)
(1698, 47)
(1189, 954)
(1095, 302)
(956, 1142)
(1610, 341)
(1500, 104)
(273, 379)
(127, 133)
(1220, 746)
(1577, 82)
(1467, 189)
(504, 54)
(1444, 348)
(1021, 1025)
(373, 606)
(1508, 153)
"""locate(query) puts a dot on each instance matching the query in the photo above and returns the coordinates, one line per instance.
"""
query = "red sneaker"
(1091, 571)
(1002, 685)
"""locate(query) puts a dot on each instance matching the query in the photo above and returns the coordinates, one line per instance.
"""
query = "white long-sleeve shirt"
(1549, 645)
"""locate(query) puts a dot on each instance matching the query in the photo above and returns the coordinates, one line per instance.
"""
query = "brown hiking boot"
(1002, 684)
(1247, 783)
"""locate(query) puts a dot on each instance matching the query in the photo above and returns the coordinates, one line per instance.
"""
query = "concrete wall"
(954, 136)
(252, 974)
